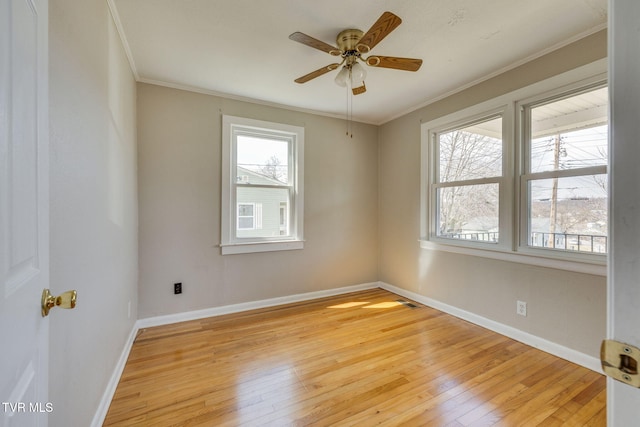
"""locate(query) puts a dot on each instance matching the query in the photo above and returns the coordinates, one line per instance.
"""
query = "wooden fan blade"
(316, 73)
(314, 43)
(406, 64)
(381, 29)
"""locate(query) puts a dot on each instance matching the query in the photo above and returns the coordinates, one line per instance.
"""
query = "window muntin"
(262, 171)
(466, 191)
(565, 184)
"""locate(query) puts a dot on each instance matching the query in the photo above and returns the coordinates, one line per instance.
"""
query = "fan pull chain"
(347, 110)
(349, 114)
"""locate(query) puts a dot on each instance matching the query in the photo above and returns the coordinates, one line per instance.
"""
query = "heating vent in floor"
(407, 303)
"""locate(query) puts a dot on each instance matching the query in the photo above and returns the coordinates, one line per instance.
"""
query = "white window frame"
(505, 212)
(510, 247)
(231, 243)
(524, 107)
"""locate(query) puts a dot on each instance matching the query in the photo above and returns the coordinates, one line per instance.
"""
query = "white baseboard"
(107, 396)
(237, 308)
(558, 350)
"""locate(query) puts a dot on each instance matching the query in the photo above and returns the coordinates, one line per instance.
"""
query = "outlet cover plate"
(521, 308)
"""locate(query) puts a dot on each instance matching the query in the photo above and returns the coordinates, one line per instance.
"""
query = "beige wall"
(563, 307)
(93, 205)
(352, 207)
(179, 136)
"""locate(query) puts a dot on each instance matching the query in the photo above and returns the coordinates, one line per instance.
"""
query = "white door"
(623, 403)
(24, 212)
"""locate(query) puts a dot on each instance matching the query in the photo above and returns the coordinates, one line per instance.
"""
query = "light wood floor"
(359, 359)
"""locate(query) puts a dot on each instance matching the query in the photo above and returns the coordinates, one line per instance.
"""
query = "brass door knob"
(65, 300)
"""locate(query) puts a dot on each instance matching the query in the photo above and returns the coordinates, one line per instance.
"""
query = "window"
(565, 178)
(262, 176)
(522, 177)
(249, 216)
(468, 176)
(246, 216)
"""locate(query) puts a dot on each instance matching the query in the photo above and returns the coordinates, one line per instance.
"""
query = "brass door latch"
(620, 361)
(65, 300)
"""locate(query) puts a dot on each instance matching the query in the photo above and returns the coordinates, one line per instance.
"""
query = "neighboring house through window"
(262, 186)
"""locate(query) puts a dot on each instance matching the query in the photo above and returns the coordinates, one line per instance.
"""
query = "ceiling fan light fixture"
(358, 73)
(352, 44)
(342, 77)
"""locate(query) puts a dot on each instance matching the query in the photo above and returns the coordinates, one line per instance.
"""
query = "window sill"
(246, 248)
(587, 267)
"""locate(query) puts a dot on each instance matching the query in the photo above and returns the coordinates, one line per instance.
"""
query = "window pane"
(469, 212)
(245, 216)
(262, 161)
(569, 213)
(245, 210)
(245, 223)
(472, 152)
(570, 133)
(265, 212)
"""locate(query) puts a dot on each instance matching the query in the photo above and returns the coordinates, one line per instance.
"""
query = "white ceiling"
(241, 49)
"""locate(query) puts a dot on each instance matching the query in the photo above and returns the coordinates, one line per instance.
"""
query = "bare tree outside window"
(470, 161)
(521, 175)
(273, 168)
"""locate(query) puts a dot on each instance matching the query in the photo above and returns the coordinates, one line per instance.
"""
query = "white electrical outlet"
(521, 308)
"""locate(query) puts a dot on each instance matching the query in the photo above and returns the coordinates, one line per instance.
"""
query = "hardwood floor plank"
(591, 412)
(351, 360)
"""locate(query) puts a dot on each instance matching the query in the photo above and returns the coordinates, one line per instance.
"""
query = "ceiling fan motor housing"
(347, 40)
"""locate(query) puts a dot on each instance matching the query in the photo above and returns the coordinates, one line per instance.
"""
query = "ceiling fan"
(352, 44)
